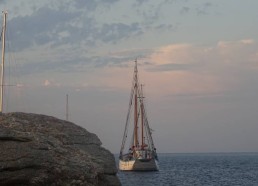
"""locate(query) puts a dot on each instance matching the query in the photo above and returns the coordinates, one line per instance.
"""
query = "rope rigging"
(146, 140)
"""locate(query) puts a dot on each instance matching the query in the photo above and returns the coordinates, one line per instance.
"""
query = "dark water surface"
(216, 169)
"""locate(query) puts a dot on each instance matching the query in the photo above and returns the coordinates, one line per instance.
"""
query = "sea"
(204, 169)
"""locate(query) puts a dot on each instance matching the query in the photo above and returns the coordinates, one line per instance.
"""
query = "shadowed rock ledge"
(43, 150)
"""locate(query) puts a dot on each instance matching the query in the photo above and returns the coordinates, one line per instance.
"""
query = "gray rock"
(43, 150)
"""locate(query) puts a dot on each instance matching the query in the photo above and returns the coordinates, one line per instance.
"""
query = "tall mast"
(142, 117)
(135, 105)
(3, 57)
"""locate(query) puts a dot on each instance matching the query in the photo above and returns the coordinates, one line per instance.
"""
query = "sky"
(197, 59)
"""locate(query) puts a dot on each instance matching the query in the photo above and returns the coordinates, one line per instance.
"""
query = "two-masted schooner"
(141, 154)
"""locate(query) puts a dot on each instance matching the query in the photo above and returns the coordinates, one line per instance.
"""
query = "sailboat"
(3, 58)
(141, 154)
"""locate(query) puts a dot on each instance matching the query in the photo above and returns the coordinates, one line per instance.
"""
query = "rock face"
(43, 150)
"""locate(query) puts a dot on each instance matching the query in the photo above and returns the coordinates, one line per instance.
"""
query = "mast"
(135, 105)
(128, 116)
(142, 117)
(66, 113)
(3, 57)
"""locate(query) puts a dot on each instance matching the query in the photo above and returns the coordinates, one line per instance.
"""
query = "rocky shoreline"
(42, 150)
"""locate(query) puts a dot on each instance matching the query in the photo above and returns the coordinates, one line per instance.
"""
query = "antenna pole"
(67, 107)
(3, 57)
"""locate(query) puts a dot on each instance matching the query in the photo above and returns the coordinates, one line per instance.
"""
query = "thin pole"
(67, 107)
(3, 57)
(142, 118)
(135, 121)
(135, 107)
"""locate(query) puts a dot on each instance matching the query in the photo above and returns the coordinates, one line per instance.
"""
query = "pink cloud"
(46, 83)
(210, 69)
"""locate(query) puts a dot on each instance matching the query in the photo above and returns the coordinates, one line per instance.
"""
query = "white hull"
(138, 165)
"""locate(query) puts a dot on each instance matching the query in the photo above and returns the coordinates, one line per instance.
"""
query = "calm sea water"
(216, 169)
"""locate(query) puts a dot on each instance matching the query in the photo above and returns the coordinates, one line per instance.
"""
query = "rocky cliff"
(43, 150)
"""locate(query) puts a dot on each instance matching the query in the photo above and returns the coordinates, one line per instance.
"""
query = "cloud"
(82, 23)
(185, 76)
(177, 54)
(247, 41)
(225, 52)
(241, 52)
(176, 69)
(46, 83)
(117, 31)
(187, 69)
(42, 27)
(204, 8)
(59, 39)
(20, 85)
(50, 83)
(109, 1)
(141, 1)
(152, 13)
(173, 67)
(89, 5)
(184, 10)
(58, 27)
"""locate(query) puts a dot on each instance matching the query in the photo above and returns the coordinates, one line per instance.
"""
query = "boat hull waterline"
(139, 165)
